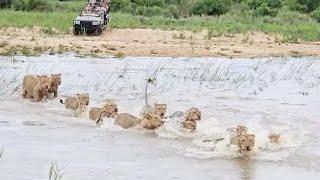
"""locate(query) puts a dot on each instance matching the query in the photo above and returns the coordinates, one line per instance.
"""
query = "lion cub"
(77, 103)
(110, 109)
(55, 81)
(192, 116)
(274, 138)
(151, 121)
(35, 87)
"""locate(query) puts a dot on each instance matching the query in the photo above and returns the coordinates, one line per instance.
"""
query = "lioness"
(110, 109)
(160, 110)
(274, 138)
(126, 120)
(246, 143)
(55, 81)
(35, 87)
(77, 103)
(191, 117)
(151, 121)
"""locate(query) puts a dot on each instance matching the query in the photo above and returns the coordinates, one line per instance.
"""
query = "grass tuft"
(55, 173)
(119, 55)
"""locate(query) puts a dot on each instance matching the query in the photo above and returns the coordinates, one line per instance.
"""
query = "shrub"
(152, 11)
(316, 14)
(5, 3)
(159, 3)
(303, 5)
(29, 5)
(211, 7)
(265, 7)
(121, 5)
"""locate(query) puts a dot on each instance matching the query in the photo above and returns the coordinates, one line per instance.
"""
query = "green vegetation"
(290, 20)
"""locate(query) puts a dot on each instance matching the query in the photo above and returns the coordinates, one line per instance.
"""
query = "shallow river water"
(280, 95)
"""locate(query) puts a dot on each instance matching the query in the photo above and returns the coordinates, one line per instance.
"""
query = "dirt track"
(153, 42)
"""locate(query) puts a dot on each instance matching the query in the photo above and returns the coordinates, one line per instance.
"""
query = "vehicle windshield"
(89, 14)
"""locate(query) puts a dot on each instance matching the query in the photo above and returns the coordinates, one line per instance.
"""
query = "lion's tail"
(61, 101)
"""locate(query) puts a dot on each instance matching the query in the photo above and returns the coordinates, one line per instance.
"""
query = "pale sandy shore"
(155, 42)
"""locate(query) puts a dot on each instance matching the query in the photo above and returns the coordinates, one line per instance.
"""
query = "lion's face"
(241, 130)
(193, 114)
(160, 109)
(154, 120)
(56, 78)
(246, 142)
(111, 108)
(83, 98)
(274, 138)
(44, 82)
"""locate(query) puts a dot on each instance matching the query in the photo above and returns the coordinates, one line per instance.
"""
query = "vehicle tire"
(76, 32)
(98, 31)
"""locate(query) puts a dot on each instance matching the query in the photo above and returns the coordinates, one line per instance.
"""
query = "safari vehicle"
(93, 19)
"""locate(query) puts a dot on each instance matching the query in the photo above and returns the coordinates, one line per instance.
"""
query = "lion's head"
(246, 142)
(274, 138)
(56, 79)
(160, 109)
(83, 99)
(241, 130)
(152, 120)
(43, 82)
(111, 109)
(193, 114)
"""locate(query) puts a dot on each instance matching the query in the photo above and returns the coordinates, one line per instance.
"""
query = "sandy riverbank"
(154, 42)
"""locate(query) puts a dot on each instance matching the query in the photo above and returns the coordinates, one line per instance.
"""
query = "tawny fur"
(35, 87)
(240, 130)
(77, 103)
(110, 109)
(192, 115)
(246, 143)
(55, 81)
(126, 120)
(151, 121)
(274, 138)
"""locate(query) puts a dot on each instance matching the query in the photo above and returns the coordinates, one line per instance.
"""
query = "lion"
(192, 125)
(77, 103)
(240, 130)
(35, 87)
(274, 138)
(151, 121)
(192, 115)
(55, 82)
(246, 143)
(110, 109)
(126, 120)
(160, 110)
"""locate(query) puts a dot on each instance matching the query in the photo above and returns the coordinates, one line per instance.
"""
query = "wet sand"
(155, 42)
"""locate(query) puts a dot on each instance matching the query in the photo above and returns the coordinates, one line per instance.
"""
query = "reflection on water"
(246, 168)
